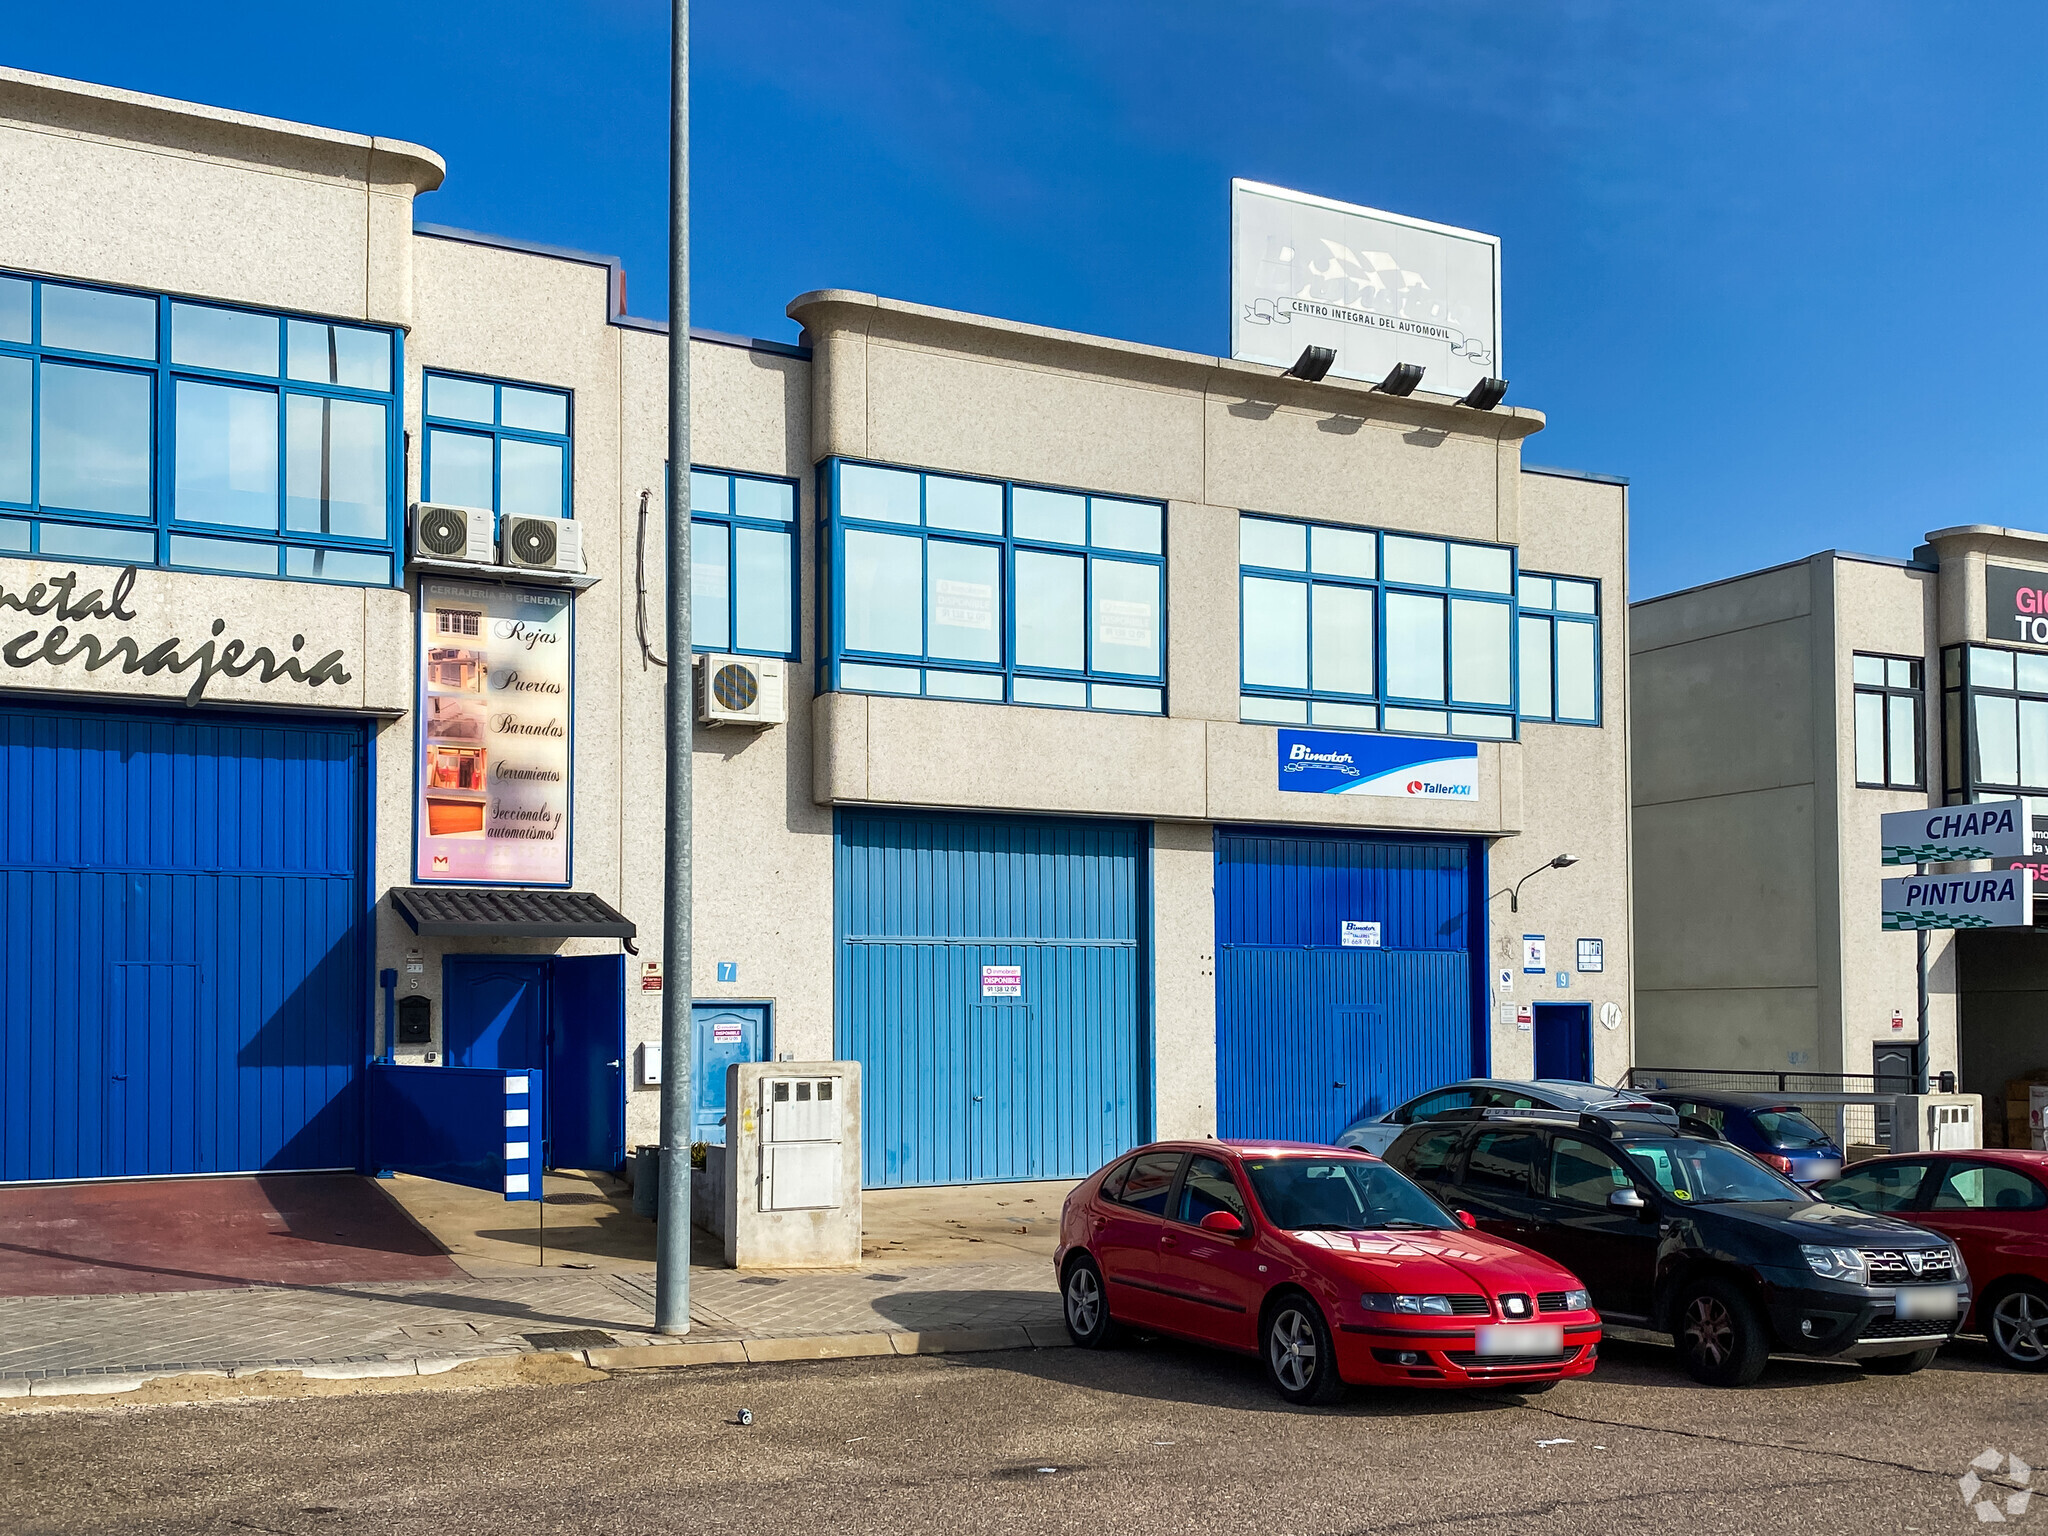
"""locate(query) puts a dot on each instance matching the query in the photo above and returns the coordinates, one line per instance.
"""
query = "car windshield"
(1333, 1194)
(1702, 1172)
(1791, 1131)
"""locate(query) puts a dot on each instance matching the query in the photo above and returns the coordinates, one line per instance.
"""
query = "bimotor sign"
(2002, 898)
(1402, 767)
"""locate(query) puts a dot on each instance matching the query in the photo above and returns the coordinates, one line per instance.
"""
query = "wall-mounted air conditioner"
(541, 543)
(451, 533)
(740, 690)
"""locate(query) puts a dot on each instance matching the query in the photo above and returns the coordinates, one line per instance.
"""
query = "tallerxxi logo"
(1415, 786)
(1979, 1489)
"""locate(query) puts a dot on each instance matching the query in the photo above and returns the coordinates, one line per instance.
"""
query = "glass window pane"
(14, 535)
(709, 492)
(877, 495)
(1415, 645)
(1990, 669)
(136, 546)
(984, 687)
(17, 375)
(1533, 591)
(1481, 568)
(1121, 696)
(1126, 597)
(1343, 552)
(533, 410)
(972, 506)
(14, 309)
(458, 467)
(1577, 596)
(1273, 711)
(1130, 525)
(531, 479)
(1998, 745)
(1485, 727)
(95, 440)
(770, 500)
(1904, 716)
(337, 460)
(227, 339)
(1952, 667)
(1342, 636)
(1049, 691)
(1048, 600)
(2029, 672)
(227, 457)
(1480, 654)
(1535, 668)
(360, 359)
(224, 555)
(1899, 674)
(2033, 742)
(1869, 671)
(86, 320)
(1578, 672)
(884, 597)
(1422, 722)
(1869, 738)
(710, 589)
(1419, 562)
(1329, 712)
(1280, 546)
(963, 590)
(762, 576)
(1054, 516)
(860, 677)
(350, 565)
(1275, 633)
(459, 399)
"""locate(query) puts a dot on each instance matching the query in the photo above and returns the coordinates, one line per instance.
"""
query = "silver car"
(1376, 1133)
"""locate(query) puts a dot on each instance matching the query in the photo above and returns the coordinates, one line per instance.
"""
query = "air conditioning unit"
(541, 543)
(740, 690)
(451, 533)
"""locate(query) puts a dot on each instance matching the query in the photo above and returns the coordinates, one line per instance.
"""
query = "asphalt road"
(1159, 1437)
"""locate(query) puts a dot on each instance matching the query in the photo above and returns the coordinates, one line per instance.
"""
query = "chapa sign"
(1991, 829)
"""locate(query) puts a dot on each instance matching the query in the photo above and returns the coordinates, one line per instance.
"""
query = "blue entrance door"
(726, 1033)
(1564, 1041)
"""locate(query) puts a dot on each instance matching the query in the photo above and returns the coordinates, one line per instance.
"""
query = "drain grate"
(572, 1338)
(760, 1280)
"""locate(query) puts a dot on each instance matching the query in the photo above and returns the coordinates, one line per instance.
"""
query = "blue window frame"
(743, 578)
(500, 446)
(1558, 631)
(995, 591)
(141, 429)
(1372, 630)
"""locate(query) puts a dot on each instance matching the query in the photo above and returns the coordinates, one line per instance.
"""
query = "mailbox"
(802, 1135)
(415, 1021)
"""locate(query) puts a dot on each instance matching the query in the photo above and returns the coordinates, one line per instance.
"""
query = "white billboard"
(1376, 288)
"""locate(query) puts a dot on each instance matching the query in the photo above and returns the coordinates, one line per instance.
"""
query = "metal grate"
(1889, 1266)
(1903, 1328)
(1469, 1306)
(571, 1338)
(1469, 1360)
(1551, 1301)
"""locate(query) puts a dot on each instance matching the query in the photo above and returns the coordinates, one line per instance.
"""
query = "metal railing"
(1858, 1118)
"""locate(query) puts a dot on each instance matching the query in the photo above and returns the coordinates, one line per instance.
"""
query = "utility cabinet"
(792, 1191)
(801, 1138)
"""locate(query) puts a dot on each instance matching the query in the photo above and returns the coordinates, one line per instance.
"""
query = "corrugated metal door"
(181, 974)
(1311, 1032)
(959, 1085)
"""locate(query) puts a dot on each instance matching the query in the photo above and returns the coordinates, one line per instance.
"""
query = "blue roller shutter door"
(180, 926)
(1311, 1033)
(958, 1086)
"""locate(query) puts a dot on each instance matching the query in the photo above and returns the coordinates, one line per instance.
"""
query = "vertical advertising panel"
(497, 682)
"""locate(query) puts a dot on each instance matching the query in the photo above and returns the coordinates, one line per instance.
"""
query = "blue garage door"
(1311, 1031)
(180, 926)
(964, 1079)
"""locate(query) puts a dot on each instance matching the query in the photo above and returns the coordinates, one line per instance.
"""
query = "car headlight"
(1386, 1301)
(1578, 1301)
(1837, 1264)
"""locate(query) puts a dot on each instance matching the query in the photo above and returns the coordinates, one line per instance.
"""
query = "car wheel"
(1720, 1337)
(1300, 1358)
(2018, 1326)
(1902, 1365)
(1086, 1306)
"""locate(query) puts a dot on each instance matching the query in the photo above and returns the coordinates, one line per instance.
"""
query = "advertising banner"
(2016, 604)
(2001, 899)
(1991, 829)
(496, 680)
(1404, 767)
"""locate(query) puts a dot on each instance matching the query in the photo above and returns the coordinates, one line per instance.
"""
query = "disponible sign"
(494, 722)
(2001, 899)
(1002, 981)
(1993, 829)
(1405, 768)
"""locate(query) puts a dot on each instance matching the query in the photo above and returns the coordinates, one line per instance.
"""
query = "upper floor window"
(1558, 629)
(504, 447)
(742, 563)
(1887, 690)
(983, 589)
(1995, 719)
(1380, 631)
(145, 430)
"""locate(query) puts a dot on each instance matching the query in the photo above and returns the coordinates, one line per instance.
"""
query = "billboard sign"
(1376, 288)
(1991, 829)
(2002, 898)
(1351, 763)
(2016, 604)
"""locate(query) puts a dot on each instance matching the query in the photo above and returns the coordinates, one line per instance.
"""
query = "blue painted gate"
(181, 946)
(1312, 1032)
(961, 1080)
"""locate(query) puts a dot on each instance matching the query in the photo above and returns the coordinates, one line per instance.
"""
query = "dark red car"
(1991, 1203)
(1326, 1263)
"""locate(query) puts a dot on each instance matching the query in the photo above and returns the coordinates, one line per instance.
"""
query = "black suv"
(1686, 1235)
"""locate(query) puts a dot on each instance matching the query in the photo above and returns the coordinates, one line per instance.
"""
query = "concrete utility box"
(1937, 1122)
(792, 1165)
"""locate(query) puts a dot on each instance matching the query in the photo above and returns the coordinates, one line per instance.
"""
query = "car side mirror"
(1627, 1200)
(1225, 1222)
(1468, 1220)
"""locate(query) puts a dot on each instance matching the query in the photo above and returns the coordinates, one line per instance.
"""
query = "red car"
(1326, 1263)
(1991, 1203)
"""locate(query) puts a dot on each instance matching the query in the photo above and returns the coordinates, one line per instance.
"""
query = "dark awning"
(455, 912)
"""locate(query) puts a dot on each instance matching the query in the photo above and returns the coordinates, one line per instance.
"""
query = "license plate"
(1821, 1170)
(1521, 1339)
(1926, 1301)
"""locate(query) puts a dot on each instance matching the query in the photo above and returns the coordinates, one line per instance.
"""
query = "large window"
(742, 563)
(146, 430)
(982, 589)
(503, 447)
(1378, 631)
(1995, 718)
(1888, 754)
(1559, 630)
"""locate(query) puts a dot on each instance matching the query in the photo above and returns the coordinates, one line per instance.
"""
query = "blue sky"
(1775, 263)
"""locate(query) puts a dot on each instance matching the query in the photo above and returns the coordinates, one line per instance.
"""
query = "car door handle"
(1168, 1240)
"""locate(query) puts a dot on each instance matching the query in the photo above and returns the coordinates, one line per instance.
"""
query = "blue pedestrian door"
(1348, 976)
(992, 983)
(726, 1033)
(1564, 1041)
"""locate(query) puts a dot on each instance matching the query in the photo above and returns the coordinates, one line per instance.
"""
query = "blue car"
(1771, 1129)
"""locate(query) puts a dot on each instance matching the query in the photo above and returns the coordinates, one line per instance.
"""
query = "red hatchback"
(1326, 1263)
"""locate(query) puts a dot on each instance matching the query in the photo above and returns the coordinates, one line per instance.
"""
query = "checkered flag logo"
(1983, 1483)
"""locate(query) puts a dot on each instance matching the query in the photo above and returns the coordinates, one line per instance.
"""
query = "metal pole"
(672, 1232)
(1921, 1070)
